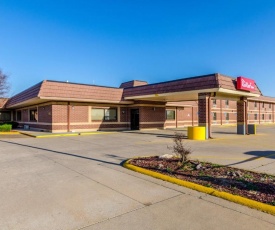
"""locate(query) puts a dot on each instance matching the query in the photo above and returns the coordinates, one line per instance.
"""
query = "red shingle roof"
(186, 84)
(56, 90)
(63, 90)
(3, 102)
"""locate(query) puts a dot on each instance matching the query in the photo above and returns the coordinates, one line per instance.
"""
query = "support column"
(242, 116)
(204, 106)
(273, 115)
(68, 116)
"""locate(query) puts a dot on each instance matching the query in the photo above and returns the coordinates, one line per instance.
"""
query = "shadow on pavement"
(156, 134)
(63, 153)
(257, 155)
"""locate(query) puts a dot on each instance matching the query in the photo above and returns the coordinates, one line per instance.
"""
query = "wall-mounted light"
(154, 108)
(123, 112)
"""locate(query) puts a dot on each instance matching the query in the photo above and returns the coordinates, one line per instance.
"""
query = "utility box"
(251, 129)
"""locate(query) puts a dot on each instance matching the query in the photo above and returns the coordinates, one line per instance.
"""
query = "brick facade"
(62, 106)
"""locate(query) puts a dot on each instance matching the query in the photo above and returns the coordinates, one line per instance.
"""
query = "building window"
(214, 116)
(214, 102)
(263, 105)
(104, 114)
(262, 116)
(255, 116)
(170, 115)
(5, 116)
(270, 116)
(33, 115)
(270, 105)
(19, 115)
(227, 116)
(255, 104)
(227, 102)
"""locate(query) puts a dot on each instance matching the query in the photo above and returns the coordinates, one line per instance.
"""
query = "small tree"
(180, 149)
(4, 86)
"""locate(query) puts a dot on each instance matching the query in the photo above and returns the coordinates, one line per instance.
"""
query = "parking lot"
(78, 183)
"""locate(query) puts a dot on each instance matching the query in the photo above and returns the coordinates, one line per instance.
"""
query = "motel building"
(213, 99)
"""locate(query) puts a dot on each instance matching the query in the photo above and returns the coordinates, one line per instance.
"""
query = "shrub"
(5, 128)
(180, 149)
(14, 124)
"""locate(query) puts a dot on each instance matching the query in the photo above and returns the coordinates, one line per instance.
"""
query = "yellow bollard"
(196, 133)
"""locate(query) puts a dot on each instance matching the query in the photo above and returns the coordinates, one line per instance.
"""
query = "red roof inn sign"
(245, 84)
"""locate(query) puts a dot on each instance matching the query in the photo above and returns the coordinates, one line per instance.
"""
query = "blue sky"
(109, 42)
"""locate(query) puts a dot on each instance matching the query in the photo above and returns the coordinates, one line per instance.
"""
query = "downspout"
(192, 116)
(259, 113)
(176, 117)
(273, 113)
(68, 117)
(246, 117)
(209, 117)
(221, 110)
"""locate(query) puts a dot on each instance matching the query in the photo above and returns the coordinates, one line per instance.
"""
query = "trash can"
(252, 129)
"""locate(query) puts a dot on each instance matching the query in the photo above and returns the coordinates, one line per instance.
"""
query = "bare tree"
(180, 149)
(4, 86)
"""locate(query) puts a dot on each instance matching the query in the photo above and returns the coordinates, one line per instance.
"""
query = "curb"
(9, 133)
(63, 135)
(224, 195)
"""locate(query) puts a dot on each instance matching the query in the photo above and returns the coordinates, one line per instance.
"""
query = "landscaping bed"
(252, 185)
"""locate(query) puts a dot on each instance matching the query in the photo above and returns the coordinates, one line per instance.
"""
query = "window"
(255, 104)
(19, 115)
(110, 114)
(270, 105)
(270, 116)
(227, 116)
(263, 105)
(255, 116)
(170, 115)
(214, 102)
(214, 116)
(104, 114)
(5, 116)
(33, 115)
(227, 102)
(262, 116)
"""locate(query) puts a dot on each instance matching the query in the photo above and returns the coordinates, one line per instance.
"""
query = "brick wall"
(59, 113)
(25, 115)
(184, 116)
(151, 117)
(79, 113)
(45, 113)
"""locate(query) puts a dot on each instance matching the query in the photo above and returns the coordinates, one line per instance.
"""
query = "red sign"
(245, 84)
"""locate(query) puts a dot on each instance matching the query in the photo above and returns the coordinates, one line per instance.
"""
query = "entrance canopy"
(188, 89)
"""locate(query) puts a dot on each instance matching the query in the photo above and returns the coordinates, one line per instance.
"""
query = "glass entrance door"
(134, 119)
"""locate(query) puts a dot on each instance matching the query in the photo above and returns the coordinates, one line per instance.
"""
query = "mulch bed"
(256, 186)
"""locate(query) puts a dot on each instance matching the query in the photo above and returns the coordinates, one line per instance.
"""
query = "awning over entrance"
(188, 89)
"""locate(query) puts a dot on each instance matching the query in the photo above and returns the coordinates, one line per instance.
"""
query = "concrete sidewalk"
(40, 134)
(77, 183)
